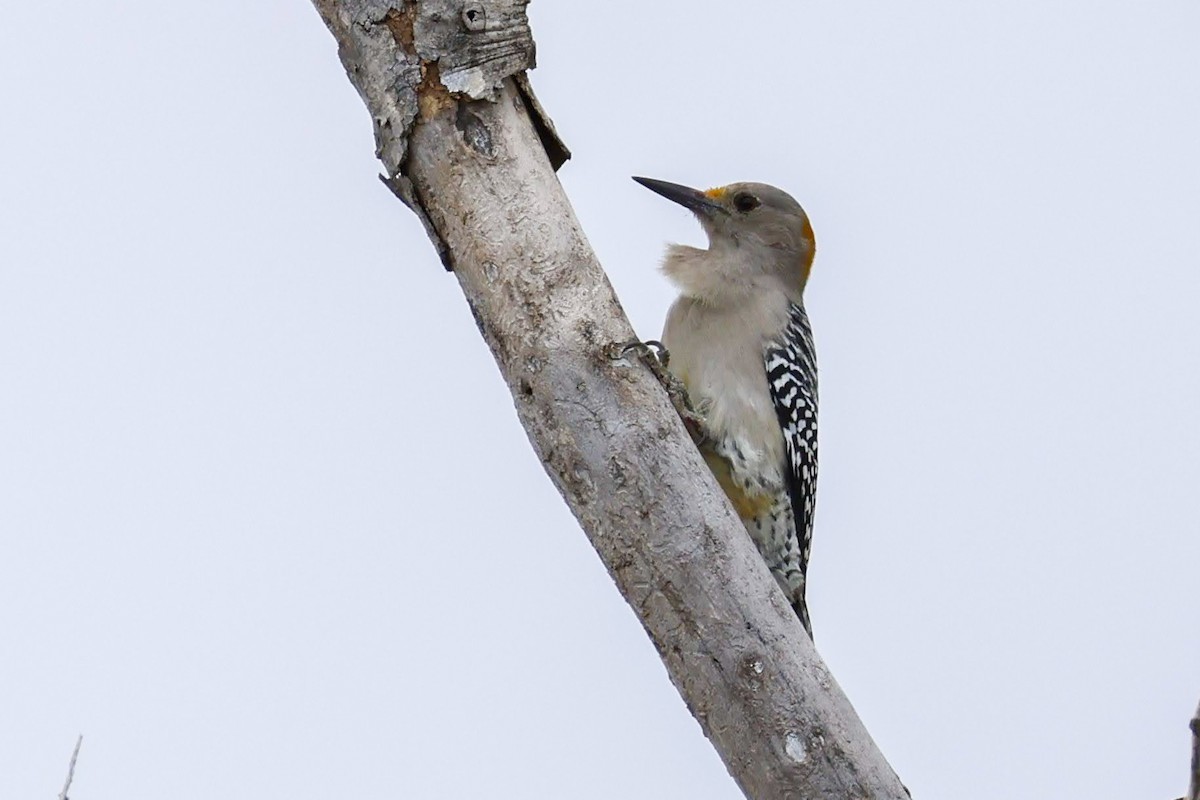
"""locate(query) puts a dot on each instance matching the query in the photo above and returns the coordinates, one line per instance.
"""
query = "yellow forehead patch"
(716, 194)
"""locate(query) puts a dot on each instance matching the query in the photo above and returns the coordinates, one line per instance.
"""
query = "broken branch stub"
(409, 60)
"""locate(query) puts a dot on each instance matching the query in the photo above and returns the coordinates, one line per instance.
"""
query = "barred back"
(791, 366)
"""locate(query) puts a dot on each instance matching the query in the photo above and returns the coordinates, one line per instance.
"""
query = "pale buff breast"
(718, 354)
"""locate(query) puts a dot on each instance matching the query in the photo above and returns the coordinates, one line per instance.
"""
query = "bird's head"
(755, 231)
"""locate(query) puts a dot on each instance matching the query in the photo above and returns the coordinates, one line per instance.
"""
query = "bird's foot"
(651, 348)
(654, 355)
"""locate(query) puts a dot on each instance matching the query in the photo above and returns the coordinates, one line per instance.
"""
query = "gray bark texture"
(466, 146)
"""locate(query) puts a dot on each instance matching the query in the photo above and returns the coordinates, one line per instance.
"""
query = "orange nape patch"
(748, 506)
(717, 193)
(806, 267)
(807, 231)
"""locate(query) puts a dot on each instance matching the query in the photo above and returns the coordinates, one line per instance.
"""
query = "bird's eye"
(744, 201)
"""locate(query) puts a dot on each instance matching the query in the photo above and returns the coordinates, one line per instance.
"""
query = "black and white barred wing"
(791, 365)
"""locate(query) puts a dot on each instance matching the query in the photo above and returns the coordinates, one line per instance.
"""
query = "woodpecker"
(739, 340)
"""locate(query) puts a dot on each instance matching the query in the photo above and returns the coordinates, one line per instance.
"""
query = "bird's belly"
(744, 421)
(726, 380)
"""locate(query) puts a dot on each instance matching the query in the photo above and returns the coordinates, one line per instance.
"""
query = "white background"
(268, 524)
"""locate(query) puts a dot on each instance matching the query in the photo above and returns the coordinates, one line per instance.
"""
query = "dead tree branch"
(466, 146)
(71, 769)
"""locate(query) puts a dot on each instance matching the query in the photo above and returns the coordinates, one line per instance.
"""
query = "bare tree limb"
(467, 147)
(71, 769)
(1194, 783)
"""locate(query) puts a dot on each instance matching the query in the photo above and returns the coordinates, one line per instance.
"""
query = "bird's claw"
(650, 347)
(656, 356)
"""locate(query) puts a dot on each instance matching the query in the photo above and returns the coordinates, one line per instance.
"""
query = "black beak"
(691, 199)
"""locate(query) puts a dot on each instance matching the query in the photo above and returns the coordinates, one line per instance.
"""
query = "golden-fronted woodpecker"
(740, 342)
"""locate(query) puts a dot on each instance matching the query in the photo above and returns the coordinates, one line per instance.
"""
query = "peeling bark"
(466, 146)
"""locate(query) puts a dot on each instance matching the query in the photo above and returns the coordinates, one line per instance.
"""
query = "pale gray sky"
(271, 528)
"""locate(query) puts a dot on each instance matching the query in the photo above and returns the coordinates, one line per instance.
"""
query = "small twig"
(1194, 787)
(71, 769)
